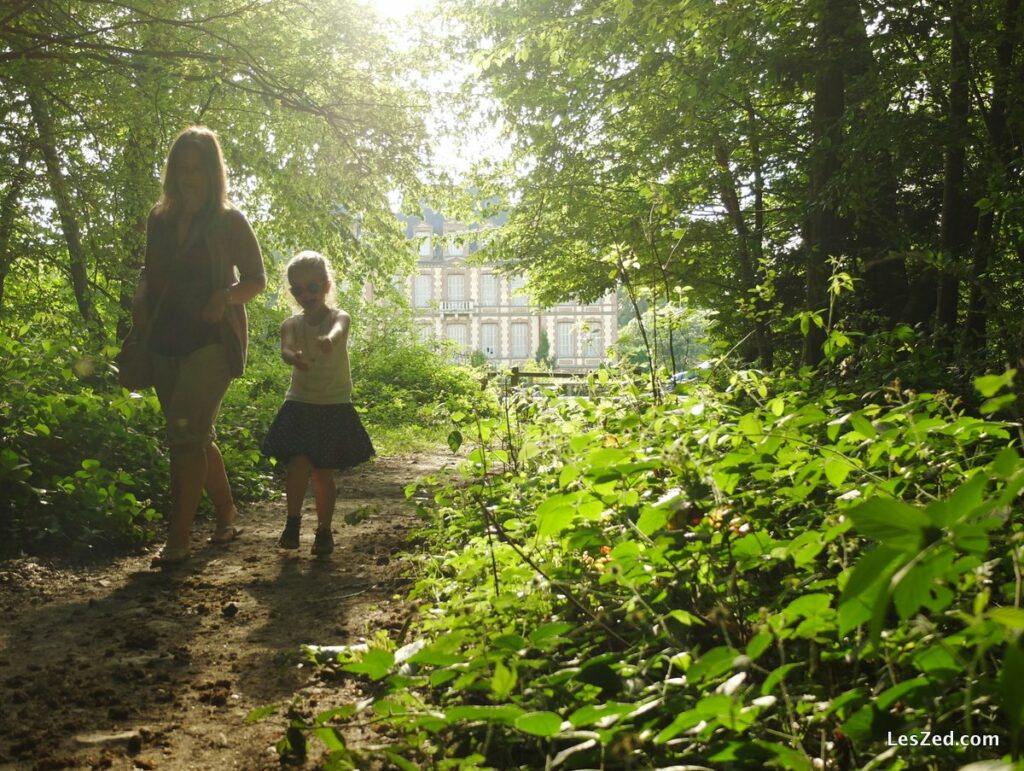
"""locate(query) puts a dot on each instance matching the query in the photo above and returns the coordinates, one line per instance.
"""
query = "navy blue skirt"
(330, 435)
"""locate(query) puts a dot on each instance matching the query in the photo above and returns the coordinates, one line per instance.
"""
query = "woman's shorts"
(190, 389)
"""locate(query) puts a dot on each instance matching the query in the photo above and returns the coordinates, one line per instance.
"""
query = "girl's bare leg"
(295, 484)
(326, 494)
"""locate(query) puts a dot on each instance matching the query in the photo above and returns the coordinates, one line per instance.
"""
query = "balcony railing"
(456, 306)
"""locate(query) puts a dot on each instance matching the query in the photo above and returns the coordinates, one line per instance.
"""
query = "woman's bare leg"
(218, 488)
(188, 475)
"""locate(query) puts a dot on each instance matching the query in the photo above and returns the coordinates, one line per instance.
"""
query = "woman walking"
(202, 265)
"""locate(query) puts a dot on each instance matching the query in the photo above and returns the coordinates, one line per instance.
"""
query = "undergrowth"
(83, 462)
(750, 573)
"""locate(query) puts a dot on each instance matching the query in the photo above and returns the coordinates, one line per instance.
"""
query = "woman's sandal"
(226, 534)
(169, 557)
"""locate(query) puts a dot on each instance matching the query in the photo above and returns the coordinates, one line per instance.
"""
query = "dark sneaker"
(323, 543)
(290, 537)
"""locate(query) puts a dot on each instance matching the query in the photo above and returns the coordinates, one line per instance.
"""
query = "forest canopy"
(816, 172)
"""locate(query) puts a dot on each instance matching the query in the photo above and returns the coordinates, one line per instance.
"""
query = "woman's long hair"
(205, 141)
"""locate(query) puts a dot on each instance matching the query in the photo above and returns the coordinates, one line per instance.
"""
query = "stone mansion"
(480, 309)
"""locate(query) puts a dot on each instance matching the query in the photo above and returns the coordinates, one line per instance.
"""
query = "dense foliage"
(83, 470)
(743, 575)
(318, 132)
(757, 152)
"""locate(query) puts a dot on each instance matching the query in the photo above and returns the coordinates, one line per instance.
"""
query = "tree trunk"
(8, 211)
(59, 187)
(137, 194)
(975, 332)
(955, 231)
(746, 253)
(826, 229)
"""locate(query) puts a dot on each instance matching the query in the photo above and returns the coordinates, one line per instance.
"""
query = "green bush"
(83, 463)
(79, 466)
(755, 575)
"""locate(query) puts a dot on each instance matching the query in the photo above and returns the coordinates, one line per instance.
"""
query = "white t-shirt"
(328, 379)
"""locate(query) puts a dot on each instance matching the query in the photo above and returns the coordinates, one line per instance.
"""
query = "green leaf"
(558, 511)
(837, 469)
(868, 582)
(990, 385)
(261, 712)
(652, 520)
(1012, 618)
(809, 605)
(750, 426)
(996, 403)
(568, 475)
(715, 662)
(503, 682)
(375, 664)
(868, 570)
(862, 425)
(682, 722)
(890, 696)
(331, 739)
(684, 617)
(759, 644)
(549, 632)
(891, 522)
(555, 514)
(1006, 463)
(455, 440)
(400, 762)
(539, 723)
(1010, 679)
(777, 676)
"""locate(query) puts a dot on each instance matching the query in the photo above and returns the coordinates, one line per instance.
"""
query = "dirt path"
(128, 668)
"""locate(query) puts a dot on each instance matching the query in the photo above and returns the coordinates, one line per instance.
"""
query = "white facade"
(480, 309)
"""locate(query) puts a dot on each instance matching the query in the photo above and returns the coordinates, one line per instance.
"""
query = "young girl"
(316, 431)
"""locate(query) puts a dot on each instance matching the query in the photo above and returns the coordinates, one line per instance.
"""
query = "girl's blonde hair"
(204, 140)
(313, 261)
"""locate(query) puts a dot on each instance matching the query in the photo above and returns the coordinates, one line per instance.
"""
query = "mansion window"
(422, 291)
(520, 338)
(566, 340)
(489, 289)
(516, 289)
(457, 334)
(592, 339)
(456, 287)
(489, 340)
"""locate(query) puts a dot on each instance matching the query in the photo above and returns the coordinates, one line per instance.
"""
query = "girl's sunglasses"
(313, 287)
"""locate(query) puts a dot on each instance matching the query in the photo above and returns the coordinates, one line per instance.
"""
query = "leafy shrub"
(400, 381)
(78, 464)
(757, 575)
(83, 463)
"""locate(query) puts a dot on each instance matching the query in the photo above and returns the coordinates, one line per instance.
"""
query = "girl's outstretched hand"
(326, 344)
